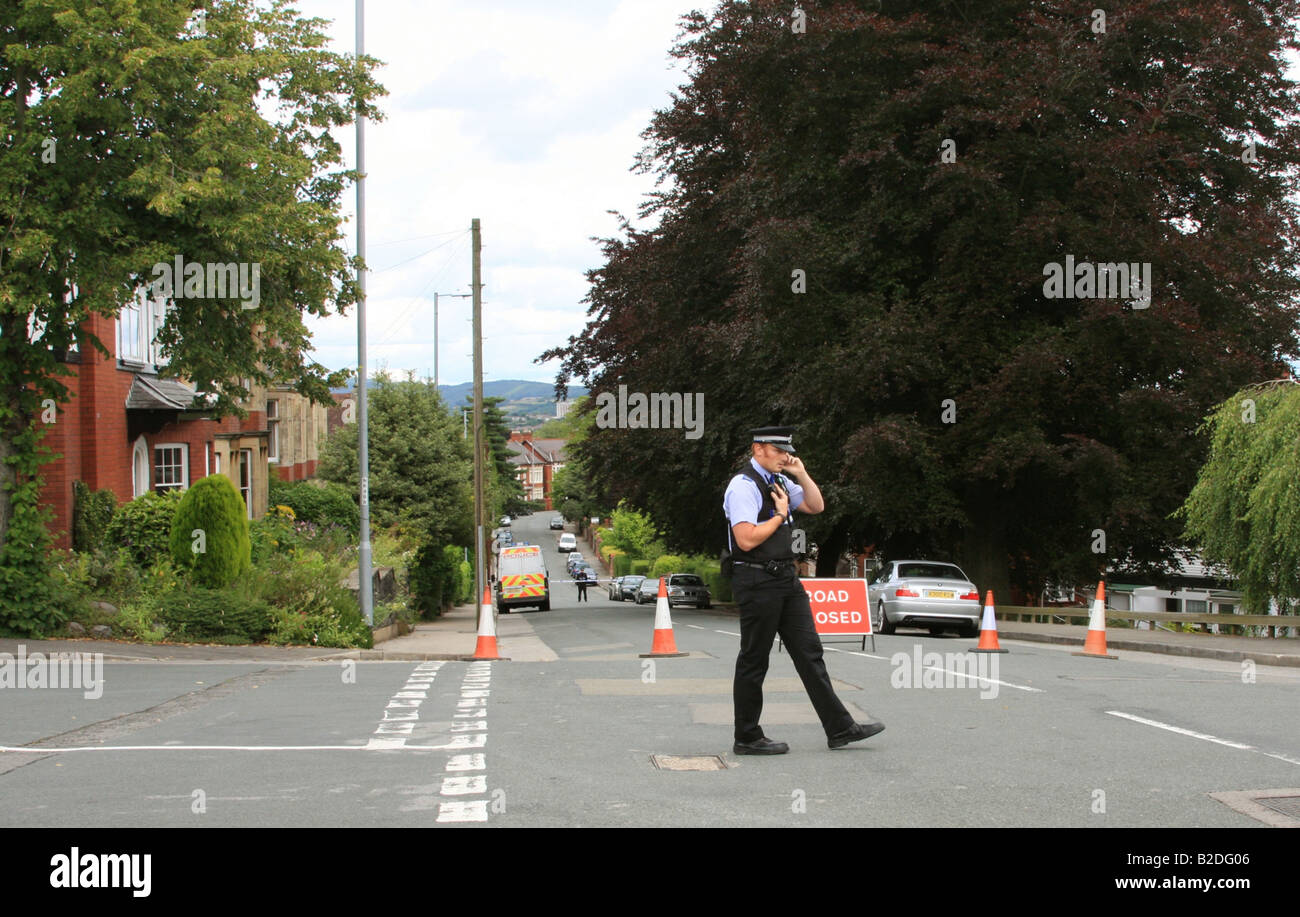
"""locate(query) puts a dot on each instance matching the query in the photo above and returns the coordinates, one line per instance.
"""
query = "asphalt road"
(1043, 739)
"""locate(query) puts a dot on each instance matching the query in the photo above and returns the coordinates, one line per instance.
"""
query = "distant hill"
(527, 404)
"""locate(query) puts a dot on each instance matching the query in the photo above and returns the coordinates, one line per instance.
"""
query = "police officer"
(758, 503)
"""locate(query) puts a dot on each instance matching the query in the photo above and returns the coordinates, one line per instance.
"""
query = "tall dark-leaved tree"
(856, 217)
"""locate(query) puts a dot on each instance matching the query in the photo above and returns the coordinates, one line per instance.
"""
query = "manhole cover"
(688, 762)
(1279, 808)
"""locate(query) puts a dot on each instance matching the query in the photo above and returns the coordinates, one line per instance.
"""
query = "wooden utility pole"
(480, 543)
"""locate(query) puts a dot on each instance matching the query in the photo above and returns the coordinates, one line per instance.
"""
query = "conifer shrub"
(209, 535)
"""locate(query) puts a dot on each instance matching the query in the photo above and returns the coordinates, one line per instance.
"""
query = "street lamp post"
(435, 330)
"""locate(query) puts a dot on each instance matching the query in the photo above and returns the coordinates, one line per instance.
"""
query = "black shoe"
(763, 746)
(855, 733)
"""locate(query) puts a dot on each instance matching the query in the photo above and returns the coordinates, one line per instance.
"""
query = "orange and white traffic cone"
(988, 629)
(664, 644)
(1095, 644)
(487, 629)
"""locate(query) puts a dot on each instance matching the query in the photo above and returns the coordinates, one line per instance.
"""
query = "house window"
(170, 467)
(138, 324)
(246, 479)
(273, 430)
(535, 475)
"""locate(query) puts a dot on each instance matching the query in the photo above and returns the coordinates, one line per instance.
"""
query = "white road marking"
(835, 649)
(464, 786)
(941, 669)
(727, 632)
(469, 810)
(375, 744)
(1201, 735)
(990, 680)
(474, 762)
(471, 732)
(697, 626)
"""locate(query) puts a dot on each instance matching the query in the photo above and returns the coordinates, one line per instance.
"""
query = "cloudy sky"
(524, 113)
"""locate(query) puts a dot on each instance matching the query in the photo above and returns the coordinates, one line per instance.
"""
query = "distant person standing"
(582, 585)
(772, 601)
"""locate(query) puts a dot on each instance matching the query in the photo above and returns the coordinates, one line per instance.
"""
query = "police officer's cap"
(781, 437)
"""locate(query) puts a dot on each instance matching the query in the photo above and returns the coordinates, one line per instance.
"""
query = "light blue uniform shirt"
(742, 500)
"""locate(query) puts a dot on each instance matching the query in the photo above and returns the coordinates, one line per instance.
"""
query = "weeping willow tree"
(1244, 511)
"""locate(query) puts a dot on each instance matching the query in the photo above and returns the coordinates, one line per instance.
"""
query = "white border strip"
(1201, 735)
(59, 751)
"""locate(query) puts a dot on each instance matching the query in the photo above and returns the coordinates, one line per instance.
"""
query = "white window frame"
(273, 430)
(138, 324)
(244, 461)
(154, 467)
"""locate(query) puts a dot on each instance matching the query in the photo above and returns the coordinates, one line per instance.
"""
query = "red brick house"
(537, 461)
(127, 430)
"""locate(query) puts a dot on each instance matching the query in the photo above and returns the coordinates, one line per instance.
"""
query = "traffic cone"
(487, 630)
(1095, 644)
(664, 644)
(988, 629)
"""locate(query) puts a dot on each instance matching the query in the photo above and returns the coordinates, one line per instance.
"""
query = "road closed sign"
(839, 606)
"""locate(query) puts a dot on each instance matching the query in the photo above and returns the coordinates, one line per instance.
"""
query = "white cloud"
(526, 116)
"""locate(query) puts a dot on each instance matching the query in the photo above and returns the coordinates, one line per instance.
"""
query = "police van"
(521, 579)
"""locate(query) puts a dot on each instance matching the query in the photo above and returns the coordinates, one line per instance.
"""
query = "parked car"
(924, 593)
(568, 542)
(573, 560)
(505, 521)
(616, 589)
(628, 585)
(584, 571)
(557, 523)
(648, 590)
(688, 589)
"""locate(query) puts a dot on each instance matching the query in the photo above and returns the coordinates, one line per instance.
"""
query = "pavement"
(454, 635)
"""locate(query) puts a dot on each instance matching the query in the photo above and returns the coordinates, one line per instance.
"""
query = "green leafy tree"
(420, 471)
(853, 228)
(138, 133)
(209, 535)
(420, 479)
(634, 532)
(1244, 511)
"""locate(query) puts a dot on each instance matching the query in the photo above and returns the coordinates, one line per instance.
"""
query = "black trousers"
(582, 591)
(771, 605)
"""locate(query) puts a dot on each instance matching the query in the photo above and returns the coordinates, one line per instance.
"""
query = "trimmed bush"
(318, 502)
(668, 563)
(623, 564)
(144, 526)
(209, 535)
(214, 615)
(639, 567)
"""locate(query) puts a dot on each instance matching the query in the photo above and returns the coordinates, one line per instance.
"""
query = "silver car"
(924, 593)
(647, 591)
